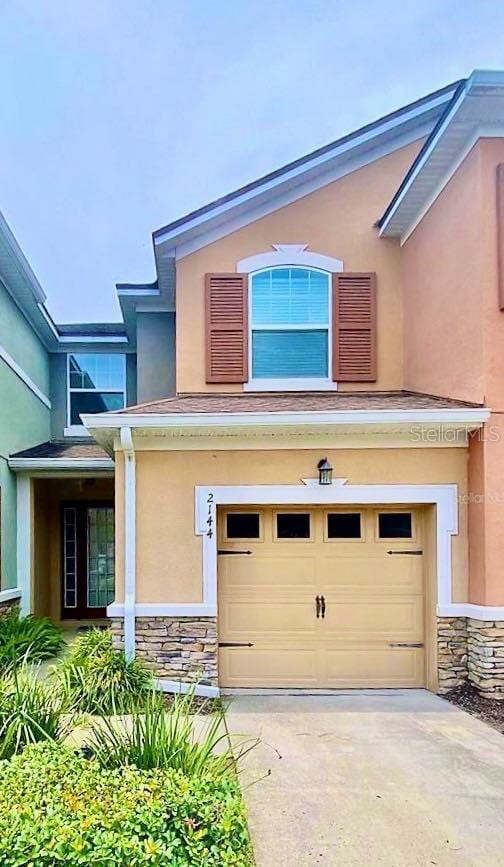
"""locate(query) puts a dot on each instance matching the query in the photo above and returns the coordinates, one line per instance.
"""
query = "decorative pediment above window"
(289, 254)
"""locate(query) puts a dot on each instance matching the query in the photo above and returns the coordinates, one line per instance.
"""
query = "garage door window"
(344, 525)
(394, 525)
(293, 525)
(242, 525)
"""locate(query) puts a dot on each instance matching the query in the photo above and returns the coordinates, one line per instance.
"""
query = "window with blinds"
(290, 323)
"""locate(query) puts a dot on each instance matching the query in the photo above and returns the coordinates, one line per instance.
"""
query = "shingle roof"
(292, 402)
(67, 450)
(88, 329)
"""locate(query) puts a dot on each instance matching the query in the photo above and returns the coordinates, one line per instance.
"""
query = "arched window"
(290, 324)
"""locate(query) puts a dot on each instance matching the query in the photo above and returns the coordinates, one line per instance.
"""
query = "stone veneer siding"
(485, 663)
(471, 650)
(452, 652)
(186, 649)
(176, 648)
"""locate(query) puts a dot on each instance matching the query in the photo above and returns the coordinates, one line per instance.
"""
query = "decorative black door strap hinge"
(221, 551)
(413, 553)
(235, 644)
(406, 644)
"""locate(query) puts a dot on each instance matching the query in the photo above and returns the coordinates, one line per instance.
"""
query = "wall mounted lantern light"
(325, 472)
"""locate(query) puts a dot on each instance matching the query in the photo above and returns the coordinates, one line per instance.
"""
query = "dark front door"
(88, 559)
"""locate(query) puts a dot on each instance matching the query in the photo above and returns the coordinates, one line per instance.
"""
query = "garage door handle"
(322, 600)
(317, 605)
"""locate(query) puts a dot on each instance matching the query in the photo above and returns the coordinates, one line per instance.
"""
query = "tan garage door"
(321, 598)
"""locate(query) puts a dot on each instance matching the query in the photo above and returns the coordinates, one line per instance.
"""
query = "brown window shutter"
(354, 327)
(226, 327)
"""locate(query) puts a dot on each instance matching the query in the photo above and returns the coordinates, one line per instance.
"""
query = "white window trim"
(291, 383)
(80, 430)
(295, 255)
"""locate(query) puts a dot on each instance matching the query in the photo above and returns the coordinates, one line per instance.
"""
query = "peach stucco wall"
(169, 554)
(441, 275)
(454, 340)
(336, 221)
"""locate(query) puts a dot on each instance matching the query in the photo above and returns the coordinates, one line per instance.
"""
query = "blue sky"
(118, 116)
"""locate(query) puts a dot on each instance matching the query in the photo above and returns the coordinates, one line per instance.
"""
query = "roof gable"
(304, 175)
(476, 110)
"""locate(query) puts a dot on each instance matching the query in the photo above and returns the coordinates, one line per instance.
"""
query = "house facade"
(284, 469)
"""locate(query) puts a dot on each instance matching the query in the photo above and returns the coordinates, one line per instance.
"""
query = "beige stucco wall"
(336, 221)
(169, 554)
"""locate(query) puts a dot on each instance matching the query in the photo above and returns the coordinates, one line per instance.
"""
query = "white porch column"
(129, 541)
(24, 543)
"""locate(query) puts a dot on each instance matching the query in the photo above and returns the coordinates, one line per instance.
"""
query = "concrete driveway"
(397, 778)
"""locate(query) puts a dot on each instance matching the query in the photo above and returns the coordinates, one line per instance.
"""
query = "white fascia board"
(317, 162)
(21, 260)
(481, 132)
(27, 464)
(101, 338)
(242, 216)
(48, 320)
(426, 156)
(141, 293)
(406, 417)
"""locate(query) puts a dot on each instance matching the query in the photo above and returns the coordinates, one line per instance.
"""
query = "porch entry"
(327, 597)
(88, 536)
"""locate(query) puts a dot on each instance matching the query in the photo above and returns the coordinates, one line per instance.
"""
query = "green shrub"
(58, 808)
(99, 679)
(27, 638)
(155, 737)
(31, 710)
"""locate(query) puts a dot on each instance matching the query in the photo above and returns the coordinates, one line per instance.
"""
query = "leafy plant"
(155, 737)
(57, 807)
(31, 710)
(99, 679)
(27, 638)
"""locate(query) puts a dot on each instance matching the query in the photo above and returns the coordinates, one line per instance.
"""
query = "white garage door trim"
(208, 498)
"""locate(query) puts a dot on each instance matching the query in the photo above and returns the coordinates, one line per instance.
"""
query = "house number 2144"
(210, 518)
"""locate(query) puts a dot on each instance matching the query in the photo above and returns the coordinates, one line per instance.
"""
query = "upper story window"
(96, 383)
(290, 324)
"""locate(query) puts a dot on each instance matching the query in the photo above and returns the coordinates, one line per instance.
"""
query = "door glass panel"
(293, 525)
(100, 551)
(242, 525)
(344, 525)
(70, 556)
(394, 525)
